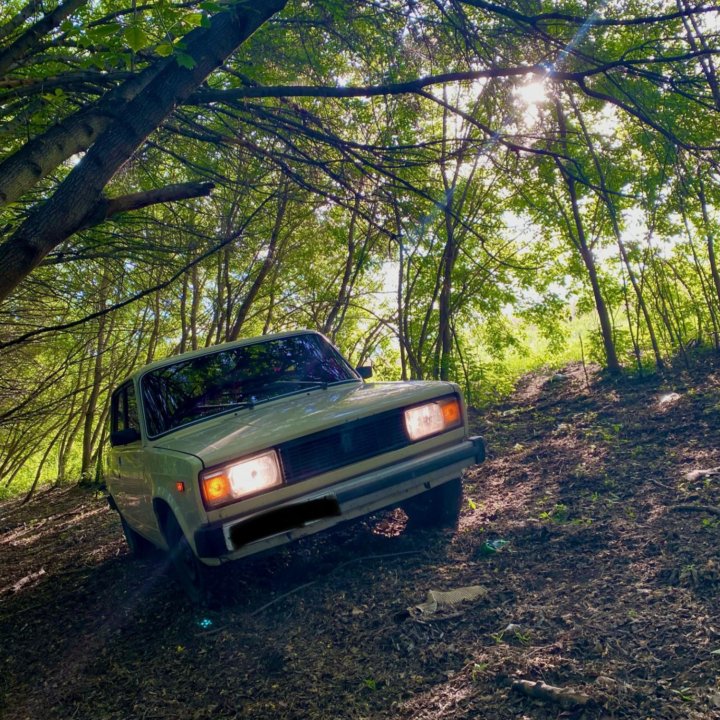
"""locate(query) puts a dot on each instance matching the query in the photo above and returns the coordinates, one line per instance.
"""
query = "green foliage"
(461, 233)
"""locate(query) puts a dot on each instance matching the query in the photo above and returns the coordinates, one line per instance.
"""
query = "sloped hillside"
(590, 536)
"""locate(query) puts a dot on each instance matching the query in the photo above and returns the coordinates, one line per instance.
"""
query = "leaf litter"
(602, 593)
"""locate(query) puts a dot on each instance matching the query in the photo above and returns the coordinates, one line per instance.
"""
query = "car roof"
(172, 359)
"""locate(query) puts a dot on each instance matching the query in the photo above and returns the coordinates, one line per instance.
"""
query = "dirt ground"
(606, 494)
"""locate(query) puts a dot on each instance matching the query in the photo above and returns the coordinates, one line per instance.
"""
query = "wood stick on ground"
(541, 691)
(712, 509)
(662, 485)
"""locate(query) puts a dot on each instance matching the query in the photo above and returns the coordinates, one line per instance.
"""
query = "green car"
(231, 450)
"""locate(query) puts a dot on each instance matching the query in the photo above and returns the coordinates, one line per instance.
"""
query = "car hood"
(226, 437)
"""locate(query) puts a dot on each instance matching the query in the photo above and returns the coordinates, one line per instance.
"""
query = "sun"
(530, 96)
(532, 93)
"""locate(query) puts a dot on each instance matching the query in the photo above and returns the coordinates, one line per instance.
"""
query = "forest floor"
(608, 586)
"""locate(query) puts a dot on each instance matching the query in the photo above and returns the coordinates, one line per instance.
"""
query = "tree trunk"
(611, 358)
(267, 265)
(77, 195)
(709, 239)
(612, 210)
(97, 377)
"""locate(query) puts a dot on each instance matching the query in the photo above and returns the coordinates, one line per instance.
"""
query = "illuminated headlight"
(240, 479)
(432, 418)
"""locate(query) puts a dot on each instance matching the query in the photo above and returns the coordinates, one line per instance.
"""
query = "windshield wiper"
(250, 403)
(309, 383)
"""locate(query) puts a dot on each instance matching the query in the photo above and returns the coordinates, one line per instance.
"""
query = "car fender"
(173, 487)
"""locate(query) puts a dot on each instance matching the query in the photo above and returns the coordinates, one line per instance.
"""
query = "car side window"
(124, 409)
(132, 419)
(117, 411)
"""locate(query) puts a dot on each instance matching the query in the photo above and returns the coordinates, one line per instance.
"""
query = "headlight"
(240, 479)
(432, 418)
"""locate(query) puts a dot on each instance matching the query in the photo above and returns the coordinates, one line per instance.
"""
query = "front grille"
(343, 445)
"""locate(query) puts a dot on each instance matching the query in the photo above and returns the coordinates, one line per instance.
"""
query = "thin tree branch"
(138, 296)
(109, 207)
(540, 18)
(15, 52)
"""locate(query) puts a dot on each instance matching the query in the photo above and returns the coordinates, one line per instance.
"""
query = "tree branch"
(18, 19)
(143, 293)
(534, 20)
(14, 52)
(109, 207)
(38, 157)
(60, 217)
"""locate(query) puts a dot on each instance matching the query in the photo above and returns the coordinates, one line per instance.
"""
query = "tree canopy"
(415, 179)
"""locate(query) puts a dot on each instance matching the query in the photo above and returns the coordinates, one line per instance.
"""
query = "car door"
(129, 483)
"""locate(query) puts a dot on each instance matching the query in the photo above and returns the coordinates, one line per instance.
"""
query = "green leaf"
(135, 37)
(185, 60)
(102, 32)
(164, 49)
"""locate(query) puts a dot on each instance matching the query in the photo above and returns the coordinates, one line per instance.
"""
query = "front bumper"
(349, 499)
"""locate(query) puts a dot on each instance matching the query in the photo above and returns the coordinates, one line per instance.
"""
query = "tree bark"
(38, 157)
(68, 208)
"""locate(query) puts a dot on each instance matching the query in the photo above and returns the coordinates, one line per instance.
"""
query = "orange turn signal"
(180, 486)
(216, 488)
(451, 412)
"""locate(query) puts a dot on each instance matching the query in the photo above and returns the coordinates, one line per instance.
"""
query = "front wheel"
(193, 576)
(138, 545)
(436, 508)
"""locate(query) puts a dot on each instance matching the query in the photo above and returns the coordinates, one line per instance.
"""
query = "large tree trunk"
(76, 197)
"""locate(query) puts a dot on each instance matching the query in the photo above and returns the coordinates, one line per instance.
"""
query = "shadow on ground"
(608, 585)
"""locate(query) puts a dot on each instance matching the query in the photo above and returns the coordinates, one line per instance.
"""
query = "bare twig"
(712, 509)
(281, 597)
(662, 485)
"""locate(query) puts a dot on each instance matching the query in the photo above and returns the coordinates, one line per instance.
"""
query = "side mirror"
(364, 371)
(124, 437)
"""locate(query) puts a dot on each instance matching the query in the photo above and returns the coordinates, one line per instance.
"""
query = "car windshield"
(190, 390)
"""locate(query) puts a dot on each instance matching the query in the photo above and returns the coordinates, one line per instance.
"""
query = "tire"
(138, 545)
(193, 576)
(436, 508)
